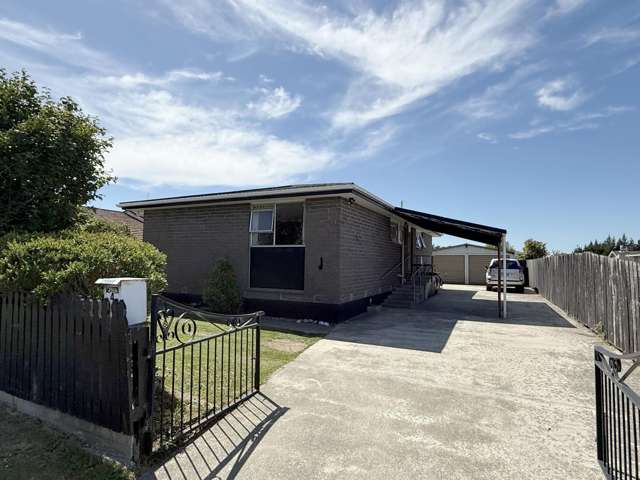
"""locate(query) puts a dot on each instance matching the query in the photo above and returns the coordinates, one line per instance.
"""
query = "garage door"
(450, 267)
(477, 268)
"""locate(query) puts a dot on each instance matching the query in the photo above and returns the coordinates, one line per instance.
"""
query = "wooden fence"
(73, 354)
(598, 291)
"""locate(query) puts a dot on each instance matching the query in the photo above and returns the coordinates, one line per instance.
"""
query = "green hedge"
(72, 260)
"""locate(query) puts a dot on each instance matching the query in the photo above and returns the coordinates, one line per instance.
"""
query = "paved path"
(444, 392)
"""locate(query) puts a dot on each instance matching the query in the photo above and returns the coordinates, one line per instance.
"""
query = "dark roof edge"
(208, 197)
(451, 220)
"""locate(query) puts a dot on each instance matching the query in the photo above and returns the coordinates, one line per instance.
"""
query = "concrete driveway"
(446, 391)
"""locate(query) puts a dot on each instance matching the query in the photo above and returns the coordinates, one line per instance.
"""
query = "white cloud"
(276, 103)
(563, 7)
(160, 136)
(401, 56)
(560, 94)
(163, 140)
(64, 47)
(494, 103)
(140, 79)
(613, 36)
(487, 137)
(532, 132)
(581, 121)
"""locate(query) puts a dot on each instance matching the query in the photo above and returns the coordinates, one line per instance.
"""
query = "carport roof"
(450, 226)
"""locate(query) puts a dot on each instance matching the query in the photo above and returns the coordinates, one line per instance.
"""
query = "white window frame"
(273, 219)
(274, 208)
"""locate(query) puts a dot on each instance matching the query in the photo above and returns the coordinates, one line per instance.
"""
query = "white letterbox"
(132, 291)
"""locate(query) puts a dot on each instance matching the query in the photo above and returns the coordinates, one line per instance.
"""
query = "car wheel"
(489, 288)
(520, 289)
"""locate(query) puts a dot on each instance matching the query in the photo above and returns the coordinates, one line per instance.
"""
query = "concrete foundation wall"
(100, 440)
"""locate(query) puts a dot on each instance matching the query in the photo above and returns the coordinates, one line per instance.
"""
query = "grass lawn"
(30, 450)
(195, 381)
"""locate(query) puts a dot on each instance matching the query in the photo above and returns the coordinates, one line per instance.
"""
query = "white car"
(515, 274)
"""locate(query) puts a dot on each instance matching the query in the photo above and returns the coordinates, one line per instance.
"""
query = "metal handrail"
(388, 272)
(419, 287)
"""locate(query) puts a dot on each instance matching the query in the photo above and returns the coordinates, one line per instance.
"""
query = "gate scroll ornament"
(171, 327)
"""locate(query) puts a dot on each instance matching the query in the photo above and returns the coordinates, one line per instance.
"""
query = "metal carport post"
(504, 279)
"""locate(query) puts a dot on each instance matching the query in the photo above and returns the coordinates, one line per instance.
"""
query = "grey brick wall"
(366, 252)
(351, 243)
(195, 238)
(322, 241)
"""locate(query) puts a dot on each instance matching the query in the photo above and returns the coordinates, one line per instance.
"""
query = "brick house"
(322, 251)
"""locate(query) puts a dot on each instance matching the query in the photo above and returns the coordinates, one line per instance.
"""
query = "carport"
(469, 231)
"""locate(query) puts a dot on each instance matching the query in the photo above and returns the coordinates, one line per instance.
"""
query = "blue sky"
(512, 113)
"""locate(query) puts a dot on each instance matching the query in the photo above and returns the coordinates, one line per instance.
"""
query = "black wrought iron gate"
(617, 415)
(202, 365)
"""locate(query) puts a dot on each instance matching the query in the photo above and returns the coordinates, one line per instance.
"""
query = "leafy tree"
(533, 249)
(609, 244)
(509, 248)
(221, 293)
(72, 260)
(52, 157)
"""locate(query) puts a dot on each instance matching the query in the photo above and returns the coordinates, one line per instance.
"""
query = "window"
(261, 227)
(289, 223)
(420, 243)
(280, 224)
(396, 233)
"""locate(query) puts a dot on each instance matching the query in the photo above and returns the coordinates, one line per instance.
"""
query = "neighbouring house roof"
(481, 249)
(625, 253)
(426, 221)
(132, 220)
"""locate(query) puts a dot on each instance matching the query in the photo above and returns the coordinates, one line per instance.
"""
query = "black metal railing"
(421, 277)
(617, 415)
(204, 365)
(418, 283)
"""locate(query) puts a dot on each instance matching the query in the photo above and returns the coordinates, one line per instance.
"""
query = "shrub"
(88, 222)
(221, 293)
(72, 260)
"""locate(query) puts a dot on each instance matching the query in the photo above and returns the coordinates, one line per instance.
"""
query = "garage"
(450, 268)
(465, 264)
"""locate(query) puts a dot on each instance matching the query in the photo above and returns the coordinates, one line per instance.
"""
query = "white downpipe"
(504, 276)
(402, 266)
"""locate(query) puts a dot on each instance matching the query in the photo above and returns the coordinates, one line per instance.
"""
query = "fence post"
(147, 436)
(599, 410)
(256, 380)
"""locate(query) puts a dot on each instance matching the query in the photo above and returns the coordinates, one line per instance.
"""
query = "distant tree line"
(608, 245)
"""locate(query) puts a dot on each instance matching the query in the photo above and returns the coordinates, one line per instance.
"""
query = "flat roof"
(451, 226)
(287, 191)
